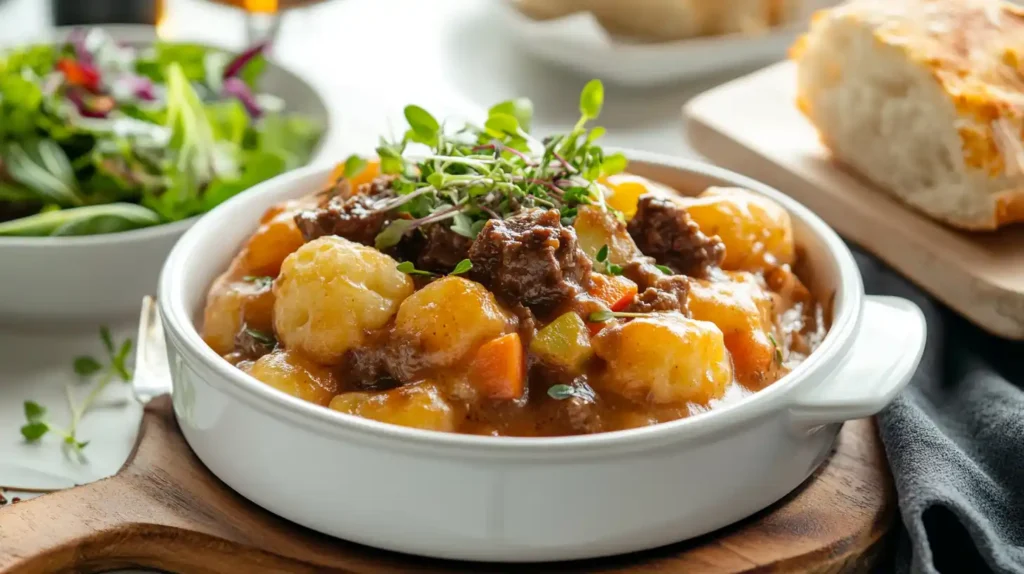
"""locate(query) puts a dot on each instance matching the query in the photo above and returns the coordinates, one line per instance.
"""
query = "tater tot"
(419, 406)
(742, 309)
(290, 372)
(232, 304)
(665, 358)
(274, 240)
(756, 231)
(331, 292)
(449, 318)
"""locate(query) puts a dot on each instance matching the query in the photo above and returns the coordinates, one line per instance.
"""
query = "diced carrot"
(498, 370)
(369, 173)
(616, 291)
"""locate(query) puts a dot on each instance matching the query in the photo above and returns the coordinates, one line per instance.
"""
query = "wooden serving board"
(165, 510)
(752, 126)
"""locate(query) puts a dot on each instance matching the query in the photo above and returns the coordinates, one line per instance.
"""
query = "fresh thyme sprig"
(605, 316)
(486, 172)
(37, 425)
(609, 267)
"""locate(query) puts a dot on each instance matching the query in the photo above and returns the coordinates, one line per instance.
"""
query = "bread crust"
(972, 52)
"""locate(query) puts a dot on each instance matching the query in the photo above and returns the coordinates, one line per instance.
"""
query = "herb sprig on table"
(485, 172)
(38, 424)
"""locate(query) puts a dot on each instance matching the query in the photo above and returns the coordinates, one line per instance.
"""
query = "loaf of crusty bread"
(668, 20)
(925, 98)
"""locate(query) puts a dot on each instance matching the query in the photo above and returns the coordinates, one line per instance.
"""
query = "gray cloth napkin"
(955, 442)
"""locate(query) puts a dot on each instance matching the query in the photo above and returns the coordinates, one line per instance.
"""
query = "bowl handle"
(883, 358)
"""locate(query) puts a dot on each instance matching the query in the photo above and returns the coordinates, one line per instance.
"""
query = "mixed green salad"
(99, 137)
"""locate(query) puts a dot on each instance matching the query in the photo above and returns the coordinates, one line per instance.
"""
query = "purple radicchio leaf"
(236, 87)
(235, 66)
(143, 88)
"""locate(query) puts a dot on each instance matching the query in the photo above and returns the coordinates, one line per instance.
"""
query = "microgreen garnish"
(778, 350)
(602, 260)
(410, 268)
(605, 316)
(354, 166)
(477, 173)
(261, 337)
(260, 281)
(562, 392)
(37, 425)
(664, 269)
(462, 267)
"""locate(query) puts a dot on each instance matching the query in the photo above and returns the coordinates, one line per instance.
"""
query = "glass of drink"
(263, 17)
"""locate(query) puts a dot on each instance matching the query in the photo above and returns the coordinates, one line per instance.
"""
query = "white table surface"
(370, 58)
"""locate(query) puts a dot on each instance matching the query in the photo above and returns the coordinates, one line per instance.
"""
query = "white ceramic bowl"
(102, 277)
(529, 499)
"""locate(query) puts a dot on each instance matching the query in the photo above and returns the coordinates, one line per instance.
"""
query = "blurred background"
(368, 58)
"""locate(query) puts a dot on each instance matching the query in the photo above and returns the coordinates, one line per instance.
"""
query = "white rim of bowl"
(139, 33)
(835, 346)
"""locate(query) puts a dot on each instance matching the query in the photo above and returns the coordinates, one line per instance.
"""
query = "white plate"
(36, 366)
(579, 43)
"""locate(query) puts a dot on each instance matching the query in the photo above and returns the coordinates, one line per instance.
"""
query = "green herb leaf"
(665, 269)
(34, 412)
(392, 234)
(261, 337)
(778, 351)
(520, 108)
(354, 166)
(86, 366)
(34, 431)
(462, 267)
(604, 316)
(561, 392)
(423, 125)
(614, 269)
(602, 254)
(463, 225)
(408, 267)
(614, 164)
(592, 99)
(595, 133)
(436, 180)
(500, 125)
(108, 341)
(119, 362)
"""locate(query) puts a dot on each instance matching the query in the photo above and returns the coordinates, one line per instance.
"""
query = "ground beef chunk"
(347, 215)
(366, 369)
(530, 258)
(353, 218)
(581, 415)
(663, 230)
(654, 300)
(657, 291)
(441, 248)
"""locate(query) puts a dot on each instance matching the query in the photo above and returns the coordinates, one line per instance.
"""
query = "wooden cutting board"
(752, 126)
(164, 510)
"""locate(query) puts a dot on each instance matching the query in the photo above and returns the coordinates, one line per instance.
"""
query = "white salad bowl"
(47, 280)
(529, 499)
